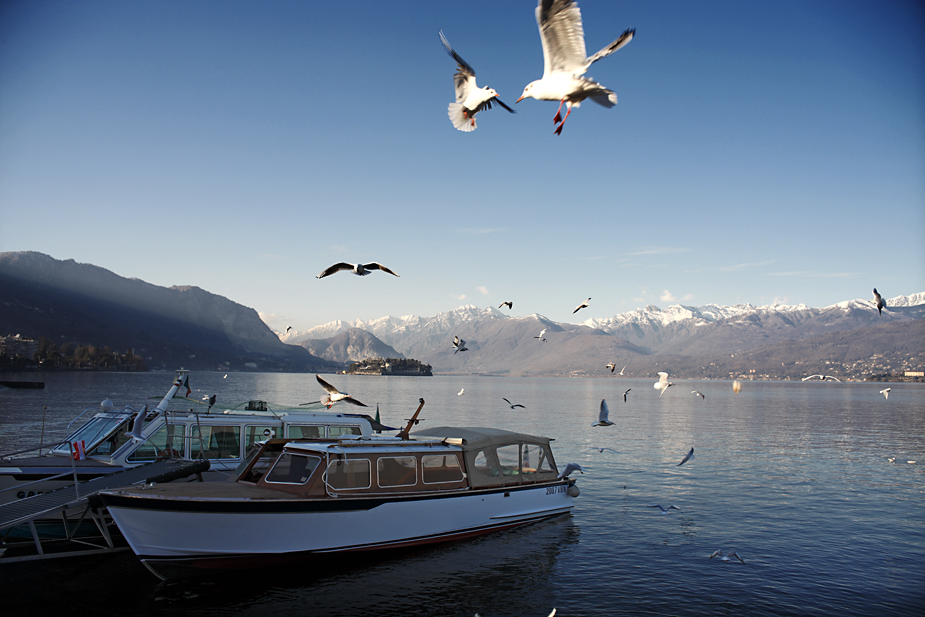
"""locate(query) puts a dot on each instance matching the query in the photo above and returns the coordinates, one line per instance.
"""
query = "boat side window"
(536, 460)
(306, 432)
(166, 440)
(217, 442)
(253, 434)
(509, 459)
(338, 430)
(292, 469)
(485, 465)
(349, 474)
(397, 471)
(112, 442)
(438, 468)
(92, 432)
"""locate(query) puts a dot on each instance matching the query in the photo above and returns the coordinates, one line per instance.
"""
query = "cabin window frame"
(459, 467)
(405, 457)
(340, 460)
(291, 456)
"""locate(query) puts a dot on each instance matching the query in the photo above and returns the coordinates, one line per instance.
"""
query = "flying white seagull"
(622, 369)
(570, 468)
(611, 366)
(880, 302)
(461, 392)
(662, 383)
(459, 344)
(565, 60)
(334, 395)
(510, 305)
(602, 418)
(886, 393)
(700, 394)
(581, 306)
(686, 458)
(663, 509)
(470, 99)
(725, 558)
(358, 269)
(512, 404)
(625, 393)
(542, 332)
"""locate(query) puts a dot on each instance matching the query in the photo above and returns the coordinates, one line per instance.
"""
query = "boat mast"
(414, 420)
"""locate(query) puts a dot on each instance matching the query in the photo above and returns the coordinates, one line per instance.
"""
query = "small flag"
(188, 389)
(80, 452)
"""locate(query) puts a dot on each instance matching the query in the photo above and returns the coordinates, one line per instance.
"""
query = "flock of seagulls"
(565, 62)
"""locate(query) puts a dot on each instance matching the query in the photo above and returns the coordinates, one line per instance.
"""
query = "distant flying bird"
(542, 332)
(602, 417)
(460, 393)
(470, 99)
(891, 459)
(565, 60)
(581, 306)
(625, 393)
(622, 369)
(662, 383)
(911, 462)
(880, 302)
(358, 269)
(225, 377)
(138, 426)
(611, 366)
(664, 510)
(570, 468)
(700, 394)
(510, 305)
(288, 329)
(512, 404)
(686, 458)
(821, 378)
(736, 386)
(601, 450)
(459, 344)
(334, 395)
(886, 393)
(725, 559)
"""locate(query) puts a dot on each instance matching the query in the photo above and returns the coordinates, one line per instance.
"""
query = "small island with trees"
(390, 366)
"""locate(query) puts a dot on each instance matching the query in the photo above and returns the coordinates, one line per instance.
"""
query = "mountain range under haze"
(190, 327)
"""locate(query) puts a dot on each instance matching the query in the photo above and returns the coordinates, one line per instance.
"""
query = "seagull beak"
(519, 100)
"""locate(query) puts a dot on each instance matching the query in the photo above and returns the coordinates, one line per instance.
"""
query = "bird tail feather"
(606, 98)
(461, 120)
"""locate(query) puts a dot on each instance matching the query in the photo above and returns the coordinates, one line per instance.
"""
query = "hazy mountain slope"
(349, 346)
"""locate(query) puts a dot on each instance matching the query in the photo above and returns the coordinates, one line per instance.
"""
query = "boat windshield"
(98, 429)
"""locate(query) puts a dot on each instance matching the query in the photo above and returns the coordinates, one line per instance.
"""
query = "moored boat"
(298, 499)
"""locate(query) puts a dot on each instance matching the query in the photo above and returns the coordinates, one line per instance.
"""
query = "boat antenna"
(414, 420)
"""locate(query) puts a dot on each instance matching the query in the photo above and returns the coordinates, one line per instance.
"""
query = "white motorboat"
(298, 499)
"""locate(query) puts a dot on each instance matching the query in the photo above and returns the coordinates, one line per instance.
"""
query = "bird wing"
(353, 401)
(605, 411)
(562, 36)
(335, 268)
(507, 401)
(464, 77)
(375, 266)
(686, 458)
(717, 553)
(621, 41)
(456, 341)
(328, 387)
(662, 378)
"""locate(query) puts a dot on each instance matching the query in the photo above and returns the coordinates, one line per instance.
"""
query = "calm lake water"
(794, 476)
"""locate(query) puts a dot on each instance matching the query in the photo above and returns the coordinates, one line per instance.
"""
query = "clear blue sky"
(759, 152)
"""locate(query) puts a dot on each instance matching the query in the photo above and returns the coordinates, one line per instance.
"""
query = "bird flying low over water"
(461, 392)
(625, 393)
(459, 344)
(602, 419)
(601, 450)
(581, 306)
(879, 301)
(542, 332)
(358, 269)
(662, 383)
(570, 468)
(725, 558)
(664, 510)
(334, 395)
(510, 305)
(622, 369)
(565, 60)
(821, 378)
(700, 394)
(512, 404)
(686, 458)
(470, 99)
(886, 393)
(611, 366)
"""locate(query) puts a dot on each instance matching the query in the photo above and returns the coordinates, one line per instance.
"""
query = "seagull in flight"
(886, 393)
(510, 305)
(725, 558)
(700, 394)
(570, 468)
(601, 450)
(662, 383)
(880, 302)
(625, 393)
(611, 366)
(821, 378)
(358, 269)
(542, 332)
(470, 99)
(565, 60)
(459, 344)
(622, 369)
(334, 395)
(581, 306)
(686, 458)
(461, 391)
(512, 404)
(664, 510)
(602, 418)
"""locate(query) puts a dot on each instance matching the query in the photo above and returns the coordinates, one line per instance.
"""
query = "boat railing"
(9, 457)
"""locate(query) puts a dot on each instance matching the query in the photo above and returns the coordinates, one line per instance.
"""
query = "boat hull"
(219, 534)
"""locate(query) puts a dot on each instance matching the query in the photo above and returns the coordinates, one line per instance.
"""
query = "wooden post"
(414, 420)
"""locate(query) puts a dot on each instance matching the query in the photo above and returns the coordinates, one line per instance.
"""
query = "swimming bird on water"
(510, 305)
(625, 393)
(581, 306)
(662, 383)
(700, 394)
(686, 458)
(470, 99)
(570, 468)
(542, 332)
(358, 269)
(725, 558)
(334, 395)
(886, 393)
(565, 60)
(879, 301)
(512, 404)
(664, 510)
(602, 419)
